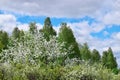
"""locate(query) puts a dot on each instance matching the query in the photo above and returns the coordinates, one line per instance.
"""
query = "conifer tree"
(1, 46)
(33, 27)
(95, 56)
(48, 30)
(104, 58)
(109, 60)
(21, 33)
(16, 33)
(85, 52)
(66, 35)
(4, 38)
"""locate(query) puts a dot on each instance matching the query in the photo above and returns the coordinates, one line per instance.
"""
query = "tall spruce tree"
(21, 33)
(85, 52)
(109, 60)
(66, 35)
(95, 56)
(1, 46)
(104, 58)
(32, 27)
(4, 38)
(16, 33)
(48, 30)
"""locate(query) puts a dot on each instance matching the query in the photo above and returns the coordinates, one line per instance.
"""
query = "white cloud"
(82, 28)
(111, 13)
(116, 5)
(106, 11)
(7, 18)
(116, 36)
(56, 8)
(97, 27)
(112, 18)
(7, 22)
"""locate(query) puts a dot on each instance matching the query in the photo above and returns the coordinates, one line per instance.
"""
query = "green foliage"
(86, 71)
(33, 27)
(95, 56)
(1, 46)
(21, 33)
(109, 60)
(4, 38)
(48, 29)
(85, 52)
(66, 36)
(16, 33)
(104, 58)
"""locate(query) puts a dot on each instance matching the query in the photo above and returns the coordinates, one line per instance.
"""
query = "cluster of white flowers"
(32, 48)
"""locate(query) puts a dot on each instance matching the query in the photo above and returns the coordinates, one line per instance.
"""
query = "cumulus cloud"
(107, 11)
(111, 14)
(112, 18)
(7, 22)
(97, 27)
(116, 36)
(56, 8)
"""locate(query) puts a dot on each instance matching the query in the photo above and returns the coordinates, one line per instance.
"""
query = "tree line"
(65, 36)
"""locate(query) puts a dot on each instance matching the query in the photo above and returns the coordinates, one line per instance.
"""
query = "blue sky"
(93, 21)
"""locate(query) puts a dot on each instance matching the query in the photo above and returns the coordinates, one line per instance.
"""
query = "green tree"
(66, 35)
(16, 33)
(104, 58)
(109, 60)
(48, 29)
(21, 33)
(85, 52)
(33, 27)
(4, 38)
(95, 56)
(1, 46)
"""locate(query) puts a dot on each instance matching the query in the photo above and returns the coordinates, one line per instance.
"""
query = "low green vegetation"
(41, 55)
